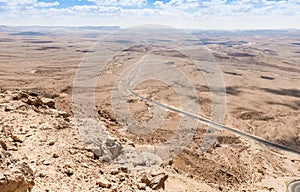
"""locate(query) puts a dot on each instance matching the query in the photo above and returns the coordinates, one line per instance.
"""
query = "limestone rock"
(155, 182)
(20, 178)
(35, 101)
(61, 124)
(16, 138)
(55, 155)
(144, 178)
(69, 171)
(68, 168)
(3, 145)
(8, 108)
(114, 171)
(45, 126)
(103, 183)
(142, 186)
(124, 169)
(48, 102)
(63, 114)
(46, 162)
(158, 182)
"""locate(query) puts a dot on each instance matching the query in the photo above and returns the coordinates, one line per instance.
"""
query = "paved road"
(294, 186)
(202, 119)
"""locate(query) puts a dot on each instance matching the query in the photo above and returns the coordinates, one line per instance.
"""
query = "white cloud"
(178, 13)
(158, 4)
(26, 4)
(235, 8)
(18, 2)
(85, 8)
(124, 3)
(44, 4)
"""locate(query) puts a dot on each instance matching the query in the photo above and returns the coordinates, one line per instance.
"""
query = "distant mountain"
(254, 32)
(29, 33)
(206, 41)
(94, 31)
(105, 28)
(51, 28)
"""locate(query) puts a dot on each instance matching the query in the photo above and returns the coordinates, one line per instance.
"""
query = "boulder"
(19, 178)
(158, 182)
(48, 102)
(102, 182)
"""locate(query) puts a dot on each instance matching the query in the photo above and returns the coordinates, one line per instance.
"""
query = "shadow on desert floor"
(284, 92)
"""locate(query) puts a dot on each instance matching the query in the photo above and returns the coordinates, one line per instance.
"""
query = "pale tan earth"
(42, 150)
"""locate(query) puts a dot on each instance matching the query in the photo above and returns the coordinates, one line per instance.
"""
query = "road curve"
(294, 186)
(202, 119)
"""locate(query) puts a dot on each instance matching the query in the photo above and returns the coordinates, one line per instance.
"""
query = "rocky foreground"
(41, 150)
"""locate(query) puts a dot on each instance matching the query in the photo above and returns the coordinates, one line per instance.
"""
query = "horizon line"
(204, 29)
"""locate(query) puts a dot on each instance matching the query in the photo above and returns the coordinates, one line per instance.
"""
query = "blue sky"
(206, 14)
(70, 3)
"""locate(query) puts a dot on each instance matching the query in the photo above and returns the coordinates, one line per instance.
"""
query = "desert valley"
(223, 114)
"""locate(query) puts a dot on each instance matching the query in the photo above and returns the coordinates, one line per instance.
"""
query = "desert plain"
(44, 150)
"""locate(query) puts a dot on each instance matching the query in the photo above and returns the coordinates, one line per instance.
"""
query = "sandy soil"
(261, 75)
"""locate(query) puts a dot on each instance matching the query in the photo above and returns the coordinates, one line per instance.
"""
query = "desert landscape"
(156, 102)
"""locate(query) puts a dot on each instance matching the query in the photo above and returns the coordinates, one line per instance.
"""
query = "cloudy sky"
(204, 14)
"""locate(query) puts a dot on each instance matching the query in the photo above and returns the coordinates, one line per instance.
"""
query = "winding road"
(294, 186)
(202, 119)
